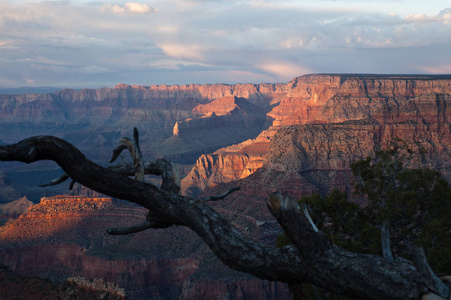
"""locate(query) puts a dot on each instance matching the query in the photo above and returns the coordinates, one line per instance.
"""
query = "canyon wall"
(297, 138)
(95, 119)
(421, 102)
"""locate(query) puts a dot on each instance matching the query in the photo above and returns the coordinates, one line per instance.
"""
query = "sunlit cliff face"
(375, 109)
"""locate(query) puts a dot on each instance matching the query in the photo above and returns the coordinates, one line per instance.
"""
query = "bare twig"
(216, 198)
(307, 215)
(56, 181)
(132, 229)
(133, 147)
(71, 185)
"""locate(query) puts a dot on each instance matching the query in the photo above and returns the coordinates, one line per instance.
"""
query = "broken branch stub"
(135, 151)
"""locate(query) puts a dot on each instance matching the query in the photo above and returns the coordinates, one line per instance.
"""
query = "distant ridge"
(29, 90)
(43, 90)
(394, 76)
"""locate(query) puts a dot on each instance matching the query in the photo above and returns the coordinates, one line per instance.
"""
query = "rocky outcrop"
(309, 158)
(135, 102)
(225, 165)
(14, 209)
(337, 98)
(226, 105)
(319, 124)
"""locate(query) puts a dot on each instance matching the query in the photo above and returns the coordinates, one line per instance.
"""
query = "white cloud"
(445, 18)
(184, 51)
(129, 7)
(283, 71)
(105, 42)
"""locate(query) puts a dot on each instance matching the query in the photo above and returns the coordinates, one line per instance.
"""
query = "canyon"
(297, 138)
(63, 238)
(412, 108)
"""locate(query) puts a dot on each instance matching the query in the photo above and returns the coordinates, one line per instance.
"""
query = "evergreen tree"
(415, 201)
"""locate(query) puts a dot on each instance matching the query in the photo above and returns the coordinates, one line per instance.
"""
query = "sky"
(94, 43)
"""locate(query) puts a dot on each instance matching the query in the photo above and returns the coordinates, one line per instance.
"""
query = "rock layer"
(388, 101)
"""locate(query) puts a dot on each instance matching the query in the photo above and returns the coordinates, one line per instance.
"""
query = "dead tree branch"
(313, 259)
(56, 181)
(135, 151)
(216, 198)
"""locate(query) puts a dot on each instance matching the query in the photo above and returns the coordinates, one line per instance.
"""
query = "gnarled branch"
(313, 259)
(135, 151)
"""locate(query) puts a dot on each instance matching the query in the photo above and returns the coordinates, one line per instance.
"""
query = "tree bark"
(313, 258)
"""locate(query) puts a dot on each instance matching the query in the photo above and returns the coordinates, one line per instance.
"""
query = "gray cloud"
(75, 44)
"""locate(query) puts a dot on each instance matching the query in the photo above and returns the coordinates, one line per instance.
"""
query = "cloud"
(436, 69)
(129, 7)
(184, 51)
(442, 17)
(283, 71)
(216, 41)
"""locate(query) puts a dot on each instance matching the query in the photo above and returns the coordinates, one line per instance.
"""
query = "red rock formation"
(225, 165)
(65, 236)
(226, 105)
(326, 99)
(320, 124)
(303, 159)
(95, 119)
(14, 209)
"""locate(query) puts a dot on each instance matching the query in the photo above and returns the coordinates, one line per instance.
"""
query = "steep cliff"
(220, 123)
(95, 119)
(225, 165)
(385, 100)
